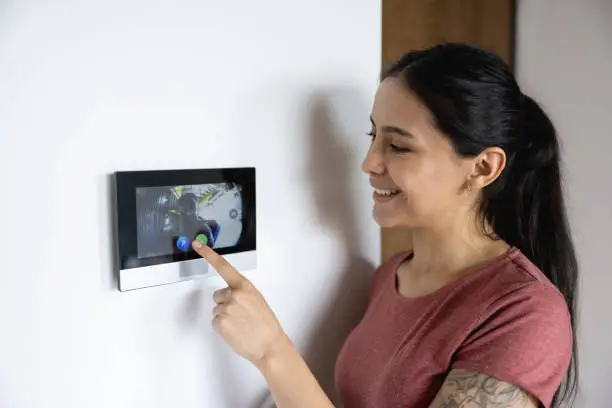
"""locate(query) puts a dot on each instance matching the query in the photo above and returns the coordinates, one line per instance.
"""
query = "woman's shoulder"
(517, 287)
(522, 333)
(520, 277)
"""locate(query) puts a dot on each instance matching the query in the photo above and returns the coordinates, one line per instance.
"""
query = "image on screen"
(170, 218)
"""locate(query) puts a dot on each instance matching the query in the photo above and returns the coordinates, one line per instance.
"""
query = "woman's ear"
(487, 167)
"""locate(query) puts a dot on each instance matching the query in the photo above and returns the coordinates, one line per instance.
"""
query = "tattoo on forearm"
(467, 389)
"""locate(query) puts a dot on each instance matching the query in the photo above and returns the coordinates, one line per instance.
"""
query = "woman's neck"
(452, 249)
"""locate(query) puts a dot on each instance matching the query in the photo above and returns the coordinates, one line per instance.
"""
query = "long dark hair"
(477, 102)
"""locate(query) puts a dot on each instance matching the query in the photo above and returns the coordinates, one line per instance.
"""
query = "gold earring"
(469, 187)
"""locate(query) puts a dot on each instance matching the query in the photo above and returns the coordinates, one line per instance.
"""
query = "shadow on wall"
(329, 171)
(329, 174)
(195, 315)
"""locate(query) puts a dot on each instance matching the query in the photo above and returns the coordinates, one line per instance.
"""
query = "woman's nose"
(374, 162)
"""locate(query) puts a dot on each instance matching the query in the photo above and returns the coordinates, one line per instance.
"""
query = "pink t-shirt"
(505, 320)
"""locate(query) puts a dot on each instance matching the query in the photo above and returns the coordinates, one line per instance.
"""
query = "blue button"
(183, 243)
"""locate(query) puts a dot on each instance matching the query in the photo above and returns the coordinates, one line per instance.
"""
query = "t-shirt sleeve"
(524, 339)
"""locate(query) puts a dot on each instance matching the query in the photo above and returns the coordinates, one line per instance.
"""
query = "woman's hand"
(246, 322)
(242, 316)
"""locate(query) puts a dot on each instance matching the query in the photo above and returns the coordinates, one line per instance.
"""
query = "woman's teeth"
(385, 192)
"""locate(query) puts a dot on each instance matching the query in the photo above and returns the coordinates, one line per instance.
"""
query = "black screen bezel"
(126, 183)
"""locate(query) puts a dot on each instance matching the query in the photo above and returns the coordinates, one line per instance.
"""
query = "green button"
(202, 238)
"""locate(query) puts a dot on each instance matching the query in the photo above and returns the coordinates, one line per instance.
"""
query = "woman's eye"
(399, 149)
(371, 134)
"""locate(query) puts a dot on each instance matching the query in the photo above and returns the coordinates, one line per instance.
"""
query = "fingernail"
(197, 244)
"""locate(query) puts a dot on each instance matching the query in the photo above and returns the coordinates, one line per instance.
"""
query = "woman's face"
(418, 178)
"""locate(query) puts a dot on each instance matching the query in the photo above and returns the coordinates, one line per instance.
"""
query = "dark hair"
(475, 100)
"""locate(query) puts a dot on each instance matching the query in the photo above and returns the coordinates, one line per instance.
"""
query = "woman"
(481, 312)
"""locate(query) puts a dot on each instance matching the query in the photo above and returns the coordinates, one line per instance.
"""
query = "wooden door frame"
(413, 24)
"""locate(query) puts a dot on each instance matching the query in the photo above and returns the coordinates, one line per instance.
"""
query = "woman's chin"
(384, 219)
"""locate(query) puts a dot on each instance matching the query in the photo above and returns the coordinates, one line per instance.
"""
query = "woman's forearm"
(291, 382)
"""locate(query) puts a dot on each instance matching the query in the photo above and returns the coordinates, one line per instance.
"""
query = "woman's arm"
(291, 382)
(246, 322)
(471, 389)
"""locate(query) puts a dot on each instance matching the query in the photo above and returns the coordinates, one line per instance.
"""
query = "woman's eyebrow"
(393, 129)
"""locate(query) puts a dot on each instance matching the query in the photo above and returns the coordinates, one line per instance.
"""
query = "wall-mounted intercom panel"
(160, 213)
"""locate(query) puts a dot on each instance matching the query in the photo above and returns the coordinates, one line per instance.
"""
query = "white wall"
(564, 54)
(90, 87)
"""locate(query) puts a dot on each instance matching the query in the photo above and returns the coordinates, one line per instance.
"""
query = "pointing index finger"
(229, 274)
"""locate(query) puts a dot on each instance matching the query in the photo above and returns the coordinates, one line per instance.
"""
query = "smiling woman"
(480, 313)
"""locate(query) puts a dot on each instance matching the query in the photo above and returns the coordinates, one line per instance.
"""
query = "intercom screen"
(170, 218)
(160, 214)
